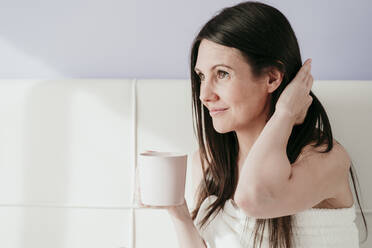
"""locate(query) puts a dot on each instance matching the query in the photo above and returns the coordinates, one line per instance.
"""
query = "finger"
(150, 151)
(308, 64)
(309, 83)
(155, 207)
(138, 201)
(304, 70)
(308, 61)
(137, 193)
(310, 101)
(308, 68)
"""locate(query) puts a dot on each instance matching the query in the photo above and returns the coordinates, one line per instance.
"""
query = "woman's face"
(228, 83)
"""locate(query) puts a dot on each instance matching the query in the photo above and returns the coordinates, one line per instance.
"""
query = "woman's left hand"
(180, 212)
(295, 98)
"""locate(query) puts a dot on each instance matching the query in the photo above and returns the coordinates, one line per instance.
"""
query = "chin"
(222, 129)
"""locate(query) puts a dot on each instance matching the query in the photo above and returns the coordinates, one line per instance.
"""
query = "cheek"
(245, 99)
(249, 105)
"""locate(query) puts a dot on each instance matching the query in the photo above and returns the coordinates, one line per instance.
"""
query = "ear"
(275, 77)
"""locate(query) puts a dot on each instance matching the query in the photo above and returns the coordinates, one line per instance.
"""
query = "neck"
(247, 137)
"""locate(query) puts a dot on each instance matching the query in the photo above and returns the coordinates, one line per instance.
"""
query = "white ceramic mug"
(162, 177)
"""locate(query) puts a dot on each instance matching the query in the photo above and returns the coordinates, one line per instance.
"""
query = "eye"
(224, 74)
(201, 76)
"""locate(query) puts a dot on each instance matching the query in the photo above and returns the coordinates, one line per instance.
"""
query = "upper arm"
(314, 178)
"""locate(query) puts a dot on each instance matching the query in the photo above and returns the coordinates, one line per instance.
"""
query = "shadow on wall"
(46, 153)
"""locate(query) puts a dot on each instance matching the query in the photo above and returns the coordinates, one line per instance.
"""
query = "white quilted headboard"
(68, 153)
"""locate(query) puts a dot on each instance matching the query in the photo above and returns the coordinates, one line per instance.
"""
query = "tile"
(63, 228)
(154, 228)
(66, 141)
(164, 115)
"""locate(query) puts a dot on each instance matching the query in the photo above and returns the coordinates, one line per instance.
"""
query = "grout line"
(123, 207)
(35, 205)
(132, 232)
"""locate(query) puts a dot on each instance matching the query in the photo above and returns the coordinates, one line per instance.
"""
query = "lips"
(216, 111)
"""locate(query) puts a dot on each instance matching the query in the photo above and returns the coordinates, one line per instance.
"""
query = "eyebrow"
(196, 69)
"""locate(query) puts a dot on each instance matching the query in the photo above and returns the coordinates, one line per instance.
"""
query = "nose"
(207, 93)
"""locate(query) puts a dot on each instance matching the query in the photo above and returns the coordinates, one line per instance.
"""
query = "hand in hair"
(295, 99)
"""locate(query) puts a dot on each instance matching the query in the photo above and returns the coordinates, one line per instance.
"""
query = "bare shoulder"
(337, 159)
(337, 154)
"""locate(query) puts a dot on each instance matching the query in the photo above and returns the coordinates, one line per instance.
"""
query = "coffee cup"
(162, 177)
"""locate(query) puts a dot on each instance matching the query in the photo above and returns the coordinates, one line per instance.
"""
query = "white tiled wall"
(67, 156)
(164, 123)
(349, 107)
(65, 143)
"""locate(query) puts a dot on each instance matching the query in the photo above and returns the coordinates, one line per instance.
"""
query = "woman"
(266, 152)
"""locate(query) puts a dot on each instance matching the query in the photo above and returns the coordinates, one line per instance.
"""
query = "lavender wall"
(151, 39)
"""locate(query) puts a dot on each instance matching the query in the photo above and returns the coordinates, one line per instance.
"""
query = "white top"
(315, 227)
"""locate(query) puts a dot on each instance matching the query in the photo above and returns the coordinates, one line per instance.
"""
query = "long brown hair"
(265, 38)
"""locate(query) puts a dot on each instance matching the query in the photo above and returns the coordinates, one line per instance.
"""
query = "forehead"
(210, 53)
